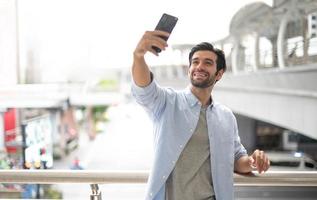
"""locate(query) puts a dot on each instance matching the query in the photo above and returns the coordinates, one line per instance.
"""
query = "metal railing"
(94, 177)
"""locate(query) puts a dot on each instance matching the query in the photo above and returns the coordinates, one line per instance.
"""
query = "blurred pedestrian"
(76, 164)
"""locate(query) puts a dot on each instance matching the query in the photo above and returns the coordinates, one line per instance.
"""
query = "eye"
(209, 63)
(195, 62)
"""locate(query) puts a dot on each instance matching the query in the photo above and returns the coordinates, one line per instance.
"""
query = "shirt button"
(163, 177)
(180, 146)
(173, 161)
(151, 194)
(191, 130)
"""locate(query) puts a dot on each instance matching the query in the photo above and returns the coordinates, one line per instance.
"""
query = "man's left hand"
(259, 161)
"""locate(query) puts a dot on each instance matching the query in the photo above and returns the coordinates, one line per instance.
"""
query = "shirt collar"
(192, 99)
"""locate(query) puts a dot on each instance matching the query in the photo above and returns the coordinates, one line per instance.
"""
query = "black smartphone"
(167, 24)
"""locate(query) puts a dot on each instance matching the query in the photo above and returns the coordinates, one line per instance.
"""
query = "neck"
(202, 94)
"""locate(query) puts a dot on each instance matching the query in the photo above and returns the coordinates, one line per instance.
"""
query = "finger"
(252, 162)
(157, 35)
(260, 161)
(153, 51)
(158, 45)
(146, 44)
(266, 165)
(263, 161)
(255, 153)
(160, 33)
(150, 41)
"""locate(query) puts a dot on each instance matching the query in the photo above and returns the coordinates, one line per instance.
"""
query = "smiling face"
(203, 69)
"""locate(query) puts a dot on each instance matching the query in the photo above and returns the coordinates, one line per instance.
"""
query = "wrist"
(138, 55)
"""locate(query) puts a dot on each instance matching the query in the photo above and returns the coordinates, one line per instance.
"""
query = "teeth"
(200, 74)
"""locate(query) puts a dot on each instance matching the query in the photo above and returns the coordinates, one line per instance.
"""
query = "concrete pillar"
(281, 41)
(305, 39)
(292, 12)
(274, 52)
(234, 56)
(256, 65)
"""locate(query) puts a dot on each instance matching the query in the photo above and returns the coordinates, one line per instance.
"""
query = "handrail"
(72, 176)
(270, 178)
(278, 178)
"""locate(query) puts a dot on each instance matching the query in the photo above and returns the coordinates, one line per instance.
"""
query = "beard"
(209, 81)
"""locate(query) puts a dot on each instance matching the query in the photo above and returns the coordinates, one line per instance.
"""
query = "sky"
(65, 35)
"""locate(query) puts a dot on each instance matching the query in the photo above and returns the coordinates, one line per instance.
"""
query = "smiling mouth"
(200, 74)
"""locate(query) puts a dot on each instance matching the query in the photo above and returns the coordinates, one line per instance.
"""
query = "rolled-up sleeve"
(151, 97)
(238, 147)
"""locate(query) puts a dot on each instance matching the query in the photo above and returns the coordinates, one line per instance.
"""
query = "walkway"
(126, 145)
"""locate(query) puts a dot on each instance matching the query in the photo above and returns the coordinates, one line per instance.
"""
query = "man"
(196, 142)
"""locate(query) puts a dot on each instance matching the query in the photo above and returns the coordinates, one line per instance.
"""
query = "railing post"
(96, 194)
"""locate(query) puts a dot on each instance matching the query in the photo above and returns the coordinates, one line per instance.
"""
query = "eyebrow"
(207, 59)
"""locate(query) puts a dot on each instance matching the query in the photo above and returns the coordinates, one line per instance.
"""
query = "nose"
(200, 66)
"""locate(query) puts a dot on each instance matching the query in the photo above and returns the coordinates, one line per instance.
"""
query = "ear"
(219, 74)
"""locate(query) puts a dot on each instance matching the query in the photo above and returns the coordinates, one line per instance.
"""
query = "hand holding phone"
(167, 24)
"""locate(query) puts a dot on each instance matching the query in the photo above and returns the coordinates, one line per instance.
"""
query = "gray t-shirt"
(191, 177)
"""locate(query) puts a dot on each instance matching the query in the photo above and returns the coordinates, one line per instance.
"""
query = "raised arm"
(140, 70)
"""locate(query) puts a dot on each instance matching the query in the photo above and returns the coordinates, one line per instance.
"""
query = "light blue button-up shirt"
(175, 116)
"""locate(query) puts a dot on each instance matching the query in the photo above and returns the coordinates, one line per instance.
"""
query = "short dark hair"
(206, 46)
